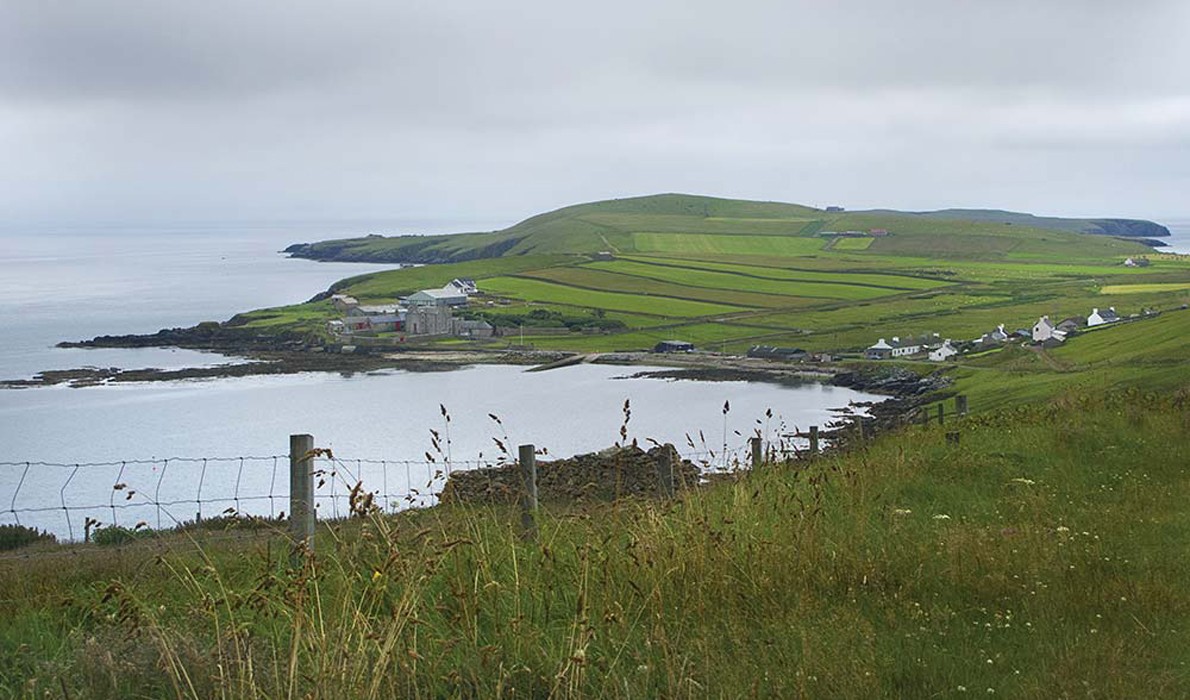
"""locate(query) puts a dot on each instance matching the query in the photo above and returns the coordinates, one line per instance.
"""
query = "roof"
(379, 309)
(880, 345)
(445, 293)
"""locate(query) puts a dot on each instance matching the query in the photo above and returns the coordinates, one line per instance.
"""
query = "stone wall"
(602, 476)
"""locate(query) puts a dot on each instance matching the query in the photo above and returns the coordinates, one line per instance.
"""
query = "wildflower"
(1063, 528)
(942, 516)
(376, 575)
(1022, 480)
(901, 511)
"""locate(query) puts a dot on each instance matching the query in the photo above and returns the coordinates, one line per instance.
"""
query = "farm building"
(447, 296)
(673, 346)
(776, 353)
(994, 337)
(343, 303)
(467, 328)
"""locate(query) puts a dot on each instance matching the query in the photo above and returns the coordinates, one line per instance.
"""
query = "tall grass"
(1043, 556)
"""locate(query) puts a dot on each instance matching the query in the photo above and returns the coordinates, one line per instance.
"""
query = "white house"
(1098, 318)
(466, 285)
(943, 352)
(904, 348)
(1043, 330)
(997, 336)
(880, 351)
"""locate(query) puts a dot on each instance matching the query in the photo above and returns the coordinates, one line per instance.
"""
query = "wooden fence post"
(527, 458)
(941, 409)
(301, 493)
(813, 439)
(757, 451)
(960, 404)
(665, 472)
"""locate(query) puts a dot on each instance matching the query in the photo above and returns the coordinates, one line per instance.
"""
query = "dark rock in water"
(603, 476)
(892, 380)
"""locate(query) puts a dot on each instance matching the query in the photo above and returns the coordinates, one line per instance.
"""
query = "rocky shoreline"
(279, 354)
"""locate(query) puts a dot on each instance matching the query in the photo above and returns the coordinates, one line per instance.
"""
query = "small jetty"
(565, 362)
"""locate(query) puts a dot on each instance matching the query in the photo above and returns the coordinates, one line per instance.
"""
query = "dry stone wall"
(602, 476)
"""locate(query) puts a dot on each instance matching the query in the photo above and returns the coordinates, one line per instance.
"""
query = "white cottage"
(1098, 317)
(943, 352)
(1043, 330)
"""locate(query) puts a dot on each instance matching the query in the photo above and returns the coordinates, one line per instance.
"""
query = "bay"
(202, 446)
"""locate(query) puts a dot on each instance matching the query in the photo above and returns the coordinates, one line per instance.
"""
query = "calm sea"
(57, 285)
(1179, 239)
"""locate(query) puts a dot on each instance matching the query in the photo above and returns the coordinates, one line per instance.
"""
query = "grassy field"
(726, 274)
(852, 244)
(1042, 557)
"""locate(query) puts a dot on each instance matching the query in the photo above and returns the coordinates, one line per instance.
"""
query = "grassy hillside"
(1042, 557)
(1103, 227)
(632, 224)
(727, 274)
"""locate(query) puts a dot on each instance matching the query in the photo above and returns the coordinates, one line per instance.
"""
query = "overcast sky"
(156, 110)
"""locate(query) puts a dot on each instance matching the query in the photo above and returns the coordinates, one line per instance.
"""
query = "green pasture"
(852, 244)
(702, 243)
(538, 290)
(669, 223)
(839, 288)
(774, 270)
(1162, 340)
(1145, 288)
(598, 279)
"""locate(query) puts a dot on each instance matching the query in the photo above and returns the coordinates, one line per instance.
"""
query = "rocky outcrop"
(602, 476)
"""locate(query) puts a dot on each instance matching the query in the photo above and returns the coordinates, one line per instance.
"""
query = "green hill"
(1130, 228)
(631, 226)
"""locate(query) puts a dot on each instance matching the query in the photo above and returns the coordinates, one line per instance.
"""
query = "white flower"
(942, 516)
(901, 511)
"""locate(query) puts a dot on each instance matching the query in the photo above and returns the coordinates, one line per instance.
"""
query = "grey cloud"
(222, 109)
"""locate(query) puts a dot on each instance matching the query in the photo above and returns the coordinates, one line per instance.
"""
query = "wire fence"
(96, 500)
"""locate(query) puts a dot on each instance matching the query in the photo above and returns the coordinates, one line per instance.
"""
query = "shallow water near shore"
(181, 443)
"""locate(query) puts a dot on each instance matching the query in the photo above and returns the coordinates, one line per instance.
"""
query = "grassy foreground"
(1044, 556)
